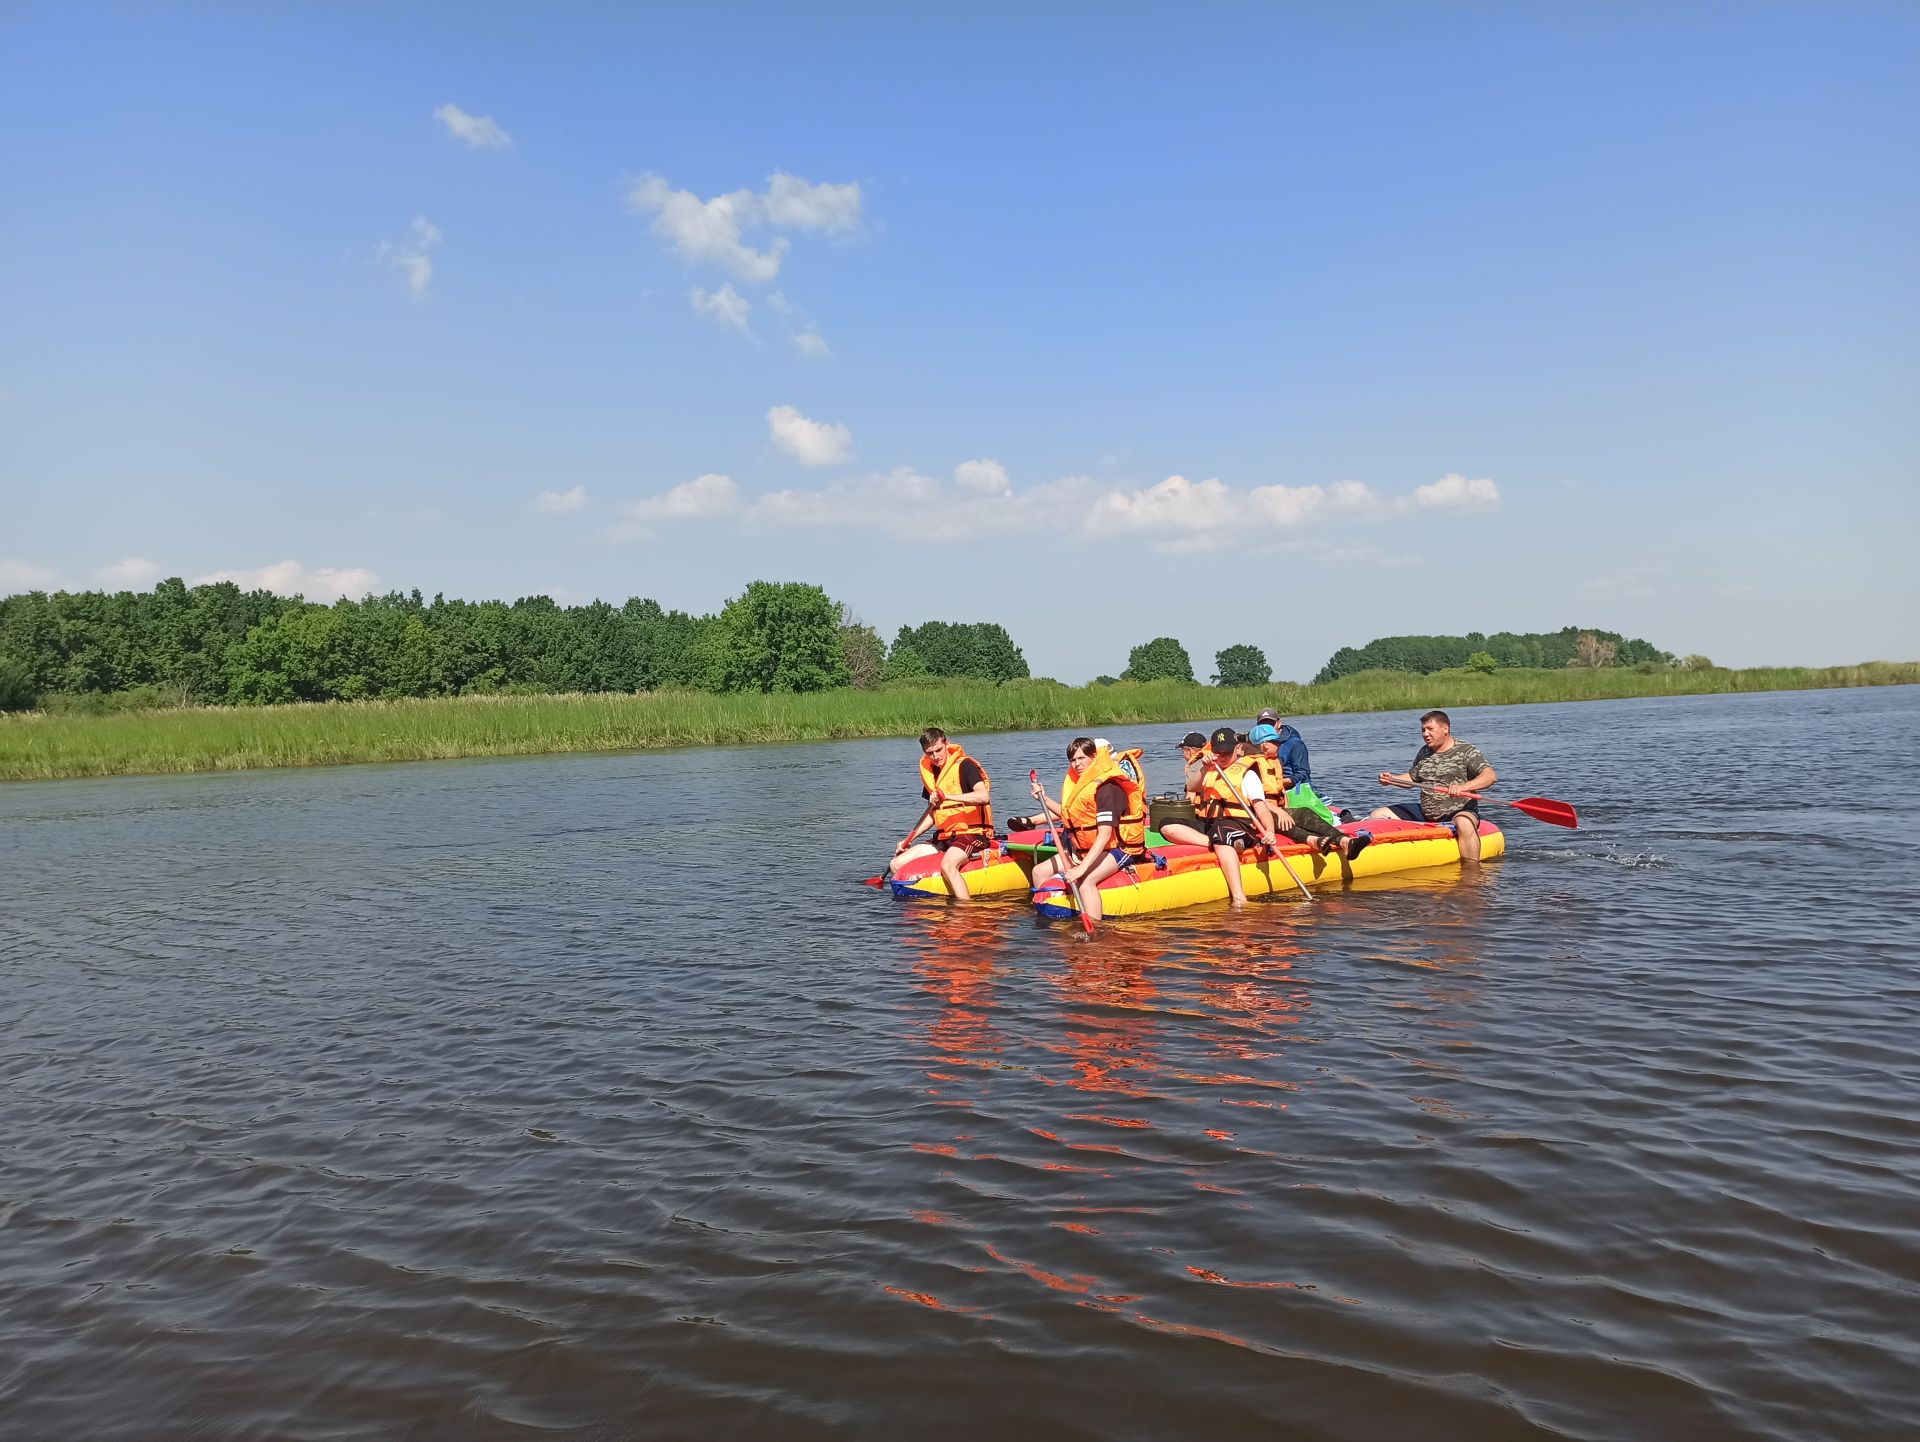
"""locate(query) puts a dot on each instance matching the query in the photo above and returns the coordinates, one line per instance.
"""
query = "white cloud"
(703, 498)
(713, 231)
(1456, 493)
(414, 258)
(780, 304)
(479, 131)
(1173, 515)
(1209, 513)
(896, 501)
(290, 578)
(724, 307)
(22, 576)
(560, 503)
(982, 478)
(812, 443)
(791, 203)
(135, 573)
(708, 230)
(810, 344)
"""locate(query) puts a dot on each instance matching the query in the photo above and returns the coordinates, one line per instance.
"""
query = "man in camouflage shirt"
(1443, 761)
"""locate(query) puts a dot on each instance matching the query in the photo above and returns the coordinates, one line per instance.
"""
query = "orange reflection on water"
(1206, 1276)
(1110, 1026)
(960, 949)
(1078, 1282)
(927, 1299)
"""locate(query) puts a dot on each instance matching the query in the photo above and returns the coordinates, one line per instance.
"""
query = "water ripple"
(555, 1098)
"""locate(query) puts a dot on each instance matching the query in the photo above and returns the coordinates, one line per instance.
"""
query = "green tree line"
(1548, 650)
(217, 644)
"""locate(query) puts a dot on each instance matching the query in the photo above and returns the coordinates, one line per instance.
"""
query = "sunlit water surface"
(593, 1097)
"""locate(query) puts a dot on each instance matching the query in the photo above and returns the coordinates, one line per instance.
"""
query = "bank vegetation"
(47, 745)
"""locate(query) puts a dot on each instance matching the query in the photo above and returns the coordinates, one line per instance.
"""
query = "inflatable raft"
(1188, 875)
(1008, 867)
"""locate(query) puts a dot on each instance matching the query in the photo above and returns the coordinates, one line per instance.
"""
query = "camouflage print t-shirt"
(1459, 763)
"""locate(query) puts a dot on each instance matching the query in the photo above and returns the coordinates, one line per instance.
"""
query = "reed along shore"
(47, 746)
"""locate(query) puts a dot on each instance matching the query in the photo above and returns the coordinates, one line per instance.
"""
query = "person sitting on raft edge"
(1102, 813)
(1298, 819)
(1442, 761)
(1233, 808)
(958, 792)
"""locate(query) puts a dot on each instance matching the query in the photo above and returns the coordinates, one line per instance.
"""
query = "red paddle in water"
(1540, 808)
(1062, 860)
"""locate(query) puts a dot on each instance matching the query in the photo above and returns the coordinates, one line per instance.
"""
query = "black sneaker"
(1358, 842)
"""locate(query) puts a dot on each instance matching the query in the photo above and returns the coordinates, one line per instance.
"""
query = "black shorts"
(1229, 831)
(1410, 811)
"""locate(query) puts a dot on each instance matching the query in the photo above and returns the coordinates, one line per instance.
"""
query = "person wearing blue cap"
(1298, 820)
(1293, 757)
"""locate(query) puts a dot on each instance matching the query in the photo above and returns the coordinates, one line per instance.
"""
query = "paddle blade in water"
(1554, 813)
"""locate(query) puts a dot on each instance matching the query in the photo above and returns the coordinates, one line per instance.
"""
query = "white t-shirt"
(1252, 788)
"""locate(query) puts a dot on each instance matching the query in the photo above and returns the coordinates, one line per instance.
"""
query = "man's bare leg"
(1466, 826)
(950, 864)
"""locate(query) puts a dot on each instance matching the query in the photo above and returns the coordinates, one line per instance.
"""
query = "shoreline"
(40, 746)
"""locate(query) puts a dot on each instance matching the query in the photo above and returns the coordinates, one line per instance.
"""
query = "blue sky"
(1291, 325)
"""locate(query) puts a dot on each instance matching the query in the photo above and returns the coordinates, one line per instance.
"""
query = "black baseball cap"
(1192, 738)
(1224, 740)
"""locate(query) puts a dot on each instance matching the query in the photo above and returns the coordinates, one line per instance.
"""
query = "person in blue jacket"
(1293, 760)
(1293, 749)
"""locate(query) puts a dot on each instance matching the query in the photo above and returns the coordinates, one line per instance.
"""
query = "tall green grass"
(40, 746)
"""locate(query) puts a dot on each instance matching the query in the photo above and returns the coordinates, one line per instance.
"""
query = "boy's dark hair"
(931, 735)
(1080, 746)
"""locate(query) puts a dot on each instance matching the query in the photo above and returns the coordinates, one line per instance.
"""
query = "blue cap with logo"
(1263, 733)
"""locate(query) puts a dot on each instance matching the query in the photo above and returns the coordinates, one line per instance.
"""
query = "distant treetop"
(1551, 650)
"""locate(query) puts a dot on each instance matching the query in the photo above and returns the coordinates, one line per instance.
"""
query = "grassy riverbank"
(36, 746)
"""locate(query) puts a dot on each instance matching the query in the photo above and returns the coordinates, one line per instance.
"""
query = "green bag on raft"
(1304, 795)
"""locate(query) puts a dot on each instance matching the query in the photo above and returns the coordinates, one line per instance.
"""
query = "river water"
(593, 1097)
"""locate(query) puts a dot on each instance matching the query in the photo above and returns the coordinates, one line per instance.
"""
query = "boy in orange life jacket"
(1233, 808)
(958, 811)
(1102, 815)
(1300, 823)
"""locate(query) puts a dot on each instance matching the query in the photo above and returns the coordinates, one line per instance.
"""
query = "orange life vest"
(1272, 776)
(1080, 804)
(954, 819)
(1220, 799)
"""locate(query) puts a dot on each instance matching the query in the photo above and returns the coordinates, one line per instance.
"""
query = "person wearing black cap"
(1192, 745)
(1233, 806)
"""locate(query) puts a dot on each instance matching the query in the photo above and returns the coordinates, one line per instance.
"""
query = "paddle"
(1273, 844)
(1540, 808)
(1063, 860)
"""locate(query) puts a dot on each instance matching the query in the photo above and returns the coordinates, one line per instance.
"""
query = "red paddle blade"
(874, 881)
(1554, 813)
